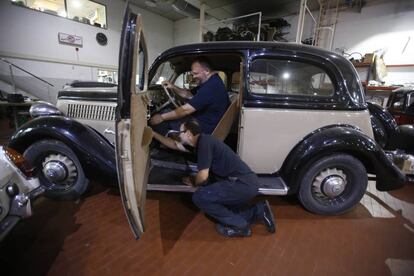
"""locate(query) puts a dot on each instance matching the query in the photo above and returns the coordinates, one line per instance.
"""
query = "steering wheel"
(171, 98)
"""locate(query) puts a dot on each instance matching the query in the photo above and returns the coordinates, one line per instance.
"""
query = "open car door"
(132, 134)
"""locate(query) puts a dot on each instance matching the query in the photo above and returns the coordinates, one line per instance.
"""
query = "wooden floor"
(92, 237)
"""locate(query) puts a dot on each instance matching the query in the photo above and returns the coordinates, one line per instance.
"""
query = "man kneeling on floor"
(225, 199)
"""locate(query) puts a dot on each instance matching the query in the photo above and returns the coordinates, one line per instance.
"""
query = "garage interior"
(73, 40)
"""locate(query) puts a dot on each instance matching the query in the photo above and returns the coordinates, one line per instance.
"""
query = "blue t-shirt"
(211, 101)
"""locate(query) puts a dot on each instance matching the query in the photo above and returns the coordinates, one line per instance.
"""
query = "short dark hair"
(193, 126)
(204, 62)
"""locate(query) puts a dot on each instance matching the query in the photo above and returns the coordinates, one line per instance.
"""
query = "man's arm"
(168, 142)
(184, 93)
(177, 113)
(200, 178)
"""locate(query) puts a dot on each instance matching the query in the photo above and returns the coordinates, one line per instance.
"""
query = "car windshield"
(164, 72)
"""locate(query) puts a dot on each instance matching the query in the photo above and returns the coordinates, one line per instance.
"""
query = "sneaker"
(267, 217)
(231, 232)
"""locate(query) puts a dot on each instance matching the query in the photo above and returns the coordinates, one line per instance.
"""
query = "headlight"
(43, 109)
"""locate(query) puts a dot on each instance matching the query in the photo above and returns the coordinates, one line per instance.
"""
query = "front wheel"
(60, 171)
(333, 184)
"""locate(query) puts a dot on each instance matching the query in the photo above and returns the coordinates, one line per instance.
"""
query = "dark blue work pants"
(227, 201)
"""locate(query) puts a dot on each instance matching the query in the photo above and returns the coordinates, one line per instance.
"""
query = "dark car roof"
(243, 45)
(404, 90)
(346, 75)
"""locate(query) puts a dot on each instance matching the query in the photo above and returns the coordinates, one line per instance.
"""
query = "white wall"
(186, 31)
(30, 39)
(381, 25)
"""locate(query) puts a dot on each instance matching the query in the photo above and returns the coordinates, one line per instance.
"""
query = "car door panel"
(132, 134)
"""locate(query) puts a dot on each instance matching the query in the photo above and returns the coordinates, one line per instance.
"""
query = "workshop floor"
(92, 237)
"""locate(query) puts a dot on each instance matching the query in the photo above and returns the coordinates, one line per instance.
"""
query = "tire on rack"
(333, 184)
(59, 170)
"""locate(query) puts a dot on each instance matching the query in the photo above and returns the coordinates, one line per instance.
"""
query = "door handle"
(109, 131)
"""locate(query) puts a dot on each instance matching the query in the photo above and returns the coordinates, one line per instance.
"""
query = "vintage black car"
(401, 105)
(298, 118)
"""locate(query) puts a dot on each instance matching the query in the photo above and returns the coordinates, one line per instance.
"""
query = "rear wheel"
(60, 171)
(333, 184)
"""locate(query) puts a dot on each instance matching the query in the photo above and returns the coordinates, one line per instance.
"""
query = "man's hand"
(156, 119)
(188, 180)
(168, 84)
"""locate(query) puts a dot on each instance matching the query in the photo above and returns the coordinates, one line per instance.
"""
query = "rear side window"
(284, 77)
(397, 103)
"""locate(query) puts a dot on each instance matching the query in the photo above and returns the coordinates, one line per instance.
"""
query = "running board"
(173, 165)
(269, 185)
(272, 185)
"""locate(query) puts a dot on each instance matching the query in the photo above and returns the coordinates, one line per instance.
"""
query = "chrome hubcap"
(59, 169)
(54, 171)
(329, 184)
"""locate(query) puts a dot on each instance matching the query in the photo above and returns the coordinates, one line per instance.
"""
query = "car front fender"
(92, 149)
(342, 139)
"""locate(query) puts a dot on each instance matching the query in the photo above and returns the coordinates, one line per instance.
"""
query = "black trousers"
(227, 201)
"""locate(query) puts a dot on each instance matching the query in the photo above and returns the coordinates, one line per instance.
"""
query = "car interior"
(169, 166)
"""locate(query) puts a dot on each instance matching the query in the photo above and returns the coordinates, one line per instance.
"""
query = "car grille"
(91, 112)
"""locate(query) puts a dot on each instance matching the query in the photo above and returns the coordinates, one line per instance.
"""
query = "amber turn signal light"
(20, 162)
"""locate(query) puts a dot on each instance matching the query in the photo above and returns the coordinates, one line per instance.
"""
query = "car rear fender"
(342, 139)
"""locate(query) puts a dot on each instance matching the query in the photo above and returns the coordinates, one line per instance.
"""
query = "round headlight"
(43, 109)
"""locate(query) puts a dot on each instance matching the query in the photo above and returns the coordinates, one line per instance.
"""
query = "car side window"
(185, 80)
(398, 102)
(141, 60)
(285, 77)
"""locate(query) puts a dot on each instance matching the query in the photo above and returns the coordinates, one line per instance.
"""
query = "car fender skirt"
(342, 139)
(91, 148)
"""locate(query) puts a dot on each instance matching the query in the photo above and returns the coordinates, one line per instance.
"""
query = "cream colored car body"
(264, 146)
(98, 114)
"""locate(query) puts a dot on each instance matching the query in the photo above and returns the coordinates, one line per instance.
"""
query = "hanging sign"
(70, 39)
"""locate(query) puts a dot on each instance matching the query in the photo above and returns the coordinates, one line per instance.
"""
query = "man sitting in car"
(207, 102)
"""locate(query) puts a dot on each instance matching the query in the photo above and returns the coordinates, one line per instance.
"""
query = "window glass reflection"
(281, 77)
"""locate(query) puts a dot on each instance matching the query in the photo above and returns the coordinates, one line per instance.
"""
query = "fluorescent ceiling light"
(286, 75)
